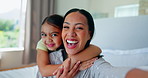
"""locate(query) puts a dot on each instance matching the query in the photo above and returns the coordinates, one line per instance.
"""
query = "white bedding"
(29, 72)
(134, 58)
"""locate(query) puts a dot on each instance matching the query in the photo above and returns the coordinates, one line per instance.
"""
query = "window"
(128, 10)
(12, 22)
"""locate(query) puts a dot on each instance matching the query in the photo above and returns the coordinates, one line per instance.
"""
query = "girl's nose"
(49, 39)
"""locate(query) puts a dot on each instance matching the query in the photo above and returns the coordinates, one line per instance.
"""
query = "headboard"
(121, 33)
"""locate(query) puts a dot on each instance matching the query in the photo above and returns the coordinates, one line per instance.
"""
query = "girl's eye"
(54, 35)
(43, 34)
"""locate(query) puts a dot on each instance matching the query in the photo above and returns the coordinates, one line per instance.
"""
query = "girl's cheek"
(43, 40)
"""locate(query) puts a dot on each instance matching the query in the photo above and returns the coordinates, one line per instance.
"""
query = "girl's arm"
(43, 62)
(88, 53)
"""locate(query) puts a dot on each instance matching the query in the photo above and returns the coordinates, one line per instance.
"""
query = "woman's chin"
(71, 51)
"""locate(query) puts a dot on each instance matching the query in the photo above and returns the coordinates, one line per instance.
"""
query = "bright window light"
(127, 10)
(12, 22)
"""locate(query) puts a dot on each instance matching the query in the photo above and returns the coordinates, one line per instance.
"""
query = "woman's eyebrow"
(75, 24)
(66, 23)
(79, 24)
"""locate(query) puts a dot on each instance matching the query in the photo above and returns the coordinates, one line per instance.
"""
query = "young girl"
(50, 48)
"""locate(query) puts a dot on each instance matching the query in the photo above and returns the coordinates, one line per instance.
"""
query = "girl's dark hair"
(90, 21)
(55, 19)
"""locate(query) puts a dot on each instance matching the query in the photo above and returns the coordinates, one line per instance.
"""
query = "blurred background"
(20, 23)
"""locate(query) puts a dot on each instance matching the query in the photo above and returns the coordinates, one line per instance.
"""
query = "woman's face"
(51, 36)
(75, 33)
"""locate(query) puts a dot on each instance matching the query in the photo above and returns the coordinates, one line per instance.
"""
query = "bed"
(131, 58)
(124, 42)
(27, 71)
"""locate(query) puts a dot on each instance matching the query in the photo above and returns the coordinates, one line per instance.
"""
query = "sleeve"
(103, 69)
(41, 46)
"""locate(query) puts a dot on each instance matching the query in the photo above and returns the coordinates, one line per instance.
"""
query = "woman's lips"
(71, 43)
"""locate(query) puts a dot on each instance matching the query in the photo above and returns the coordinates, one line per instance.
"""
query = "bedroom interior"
(122, 37)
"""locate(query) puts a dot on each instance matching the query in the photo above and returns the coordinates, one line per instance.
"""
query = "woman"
(78, 27)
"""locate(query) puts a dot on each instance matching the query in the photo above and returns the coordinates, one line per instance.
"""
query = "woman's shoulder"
(101, 63)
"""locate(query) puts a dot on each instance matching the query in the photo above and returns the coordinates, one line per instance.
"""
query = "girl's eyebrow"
(50, 33)
(42, 31)
(55, 32)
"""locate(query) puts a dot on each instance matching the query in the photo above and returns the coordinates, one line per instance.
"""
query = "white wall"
(108, 6)
(93, 6)
(11, 59)
(62, 6)
(121, 33)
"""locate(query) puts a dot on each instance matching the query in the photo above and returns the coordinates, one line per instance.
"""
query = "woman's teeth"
(71, 44)
(68, 41)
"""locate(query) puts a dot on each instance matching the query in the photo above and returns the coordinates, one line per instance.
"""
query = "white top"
(55, 58)
(100, 69)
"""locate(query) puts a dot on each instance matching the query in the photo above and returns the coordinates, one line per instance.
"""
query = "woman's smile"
(71, 43)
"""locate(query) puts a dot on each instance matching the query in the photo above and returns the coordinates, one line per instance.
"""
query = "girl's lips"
(50, 45)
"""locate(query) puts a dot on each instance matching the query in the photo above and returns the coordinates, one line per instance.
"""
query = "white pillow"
(132, 58)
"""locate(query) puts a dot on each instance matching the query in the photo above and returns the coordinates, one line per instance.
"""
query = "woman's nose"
(72, 33)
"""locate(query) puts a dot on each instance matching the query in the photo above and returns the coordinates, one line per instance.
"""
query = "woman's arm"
(137, 73)
(43, 62)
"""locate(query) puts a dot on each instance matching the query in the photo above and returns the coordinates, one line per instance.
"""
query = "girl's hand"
(87, 64)
(65, 72)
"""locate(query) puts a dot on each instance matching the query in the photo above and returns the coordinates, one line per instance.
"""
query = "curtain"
(37, 10)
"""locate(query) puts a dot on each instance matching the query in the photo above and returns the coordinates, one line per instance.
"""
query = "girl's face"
(51, 36)
(75, 33)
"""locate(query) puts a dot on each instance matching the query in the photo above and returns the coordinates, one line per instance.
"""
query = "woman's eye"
(54, 35)
(80, 28)
(42, 34)
(65, 27)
